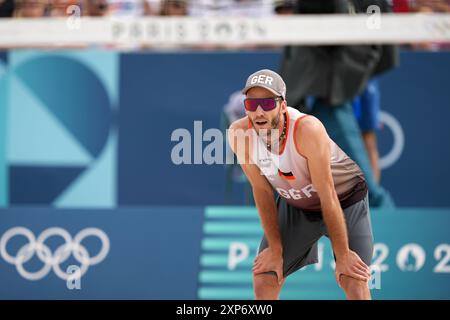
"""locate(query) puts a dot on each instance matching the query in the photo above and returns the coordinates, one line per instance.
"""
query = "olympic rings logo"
(53, 260)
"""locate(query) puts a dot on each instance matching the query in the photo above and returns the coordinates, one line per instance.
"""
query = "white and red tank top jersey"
(289, 175)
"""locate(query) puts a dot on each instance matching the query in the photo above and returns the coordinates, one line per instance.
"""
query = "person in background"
(59, 8)
(251, 8)
(439, 6)
(97, 8)
(30, 8)
(235, 8)
(234, 176)
(429, 7)
(284, 7)
(126, 8)
(177, 8)
(6, 8)
(367, 112)
(328, 78)
(401, 6)
(152, 7)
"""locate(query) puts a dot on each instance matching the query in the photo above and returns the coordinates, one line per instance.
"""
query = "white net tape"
(179, 31)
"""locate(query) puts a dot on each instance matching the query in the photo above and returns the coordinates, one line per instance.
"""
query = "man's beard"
(267, 133)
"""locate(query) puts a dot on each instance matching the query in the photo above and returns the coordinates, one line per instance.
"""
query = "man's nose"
(259, 111)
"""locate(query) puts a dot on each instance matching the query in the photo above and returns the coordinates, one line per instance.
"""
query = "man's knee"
(355, 289)
(266, 286)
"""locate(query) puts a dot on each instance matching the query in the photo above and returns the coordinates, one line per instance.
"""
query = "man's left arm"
(315, 147)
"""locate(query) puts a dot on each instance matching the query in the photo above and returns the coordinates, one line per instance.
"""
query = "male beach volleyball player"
(321, 191)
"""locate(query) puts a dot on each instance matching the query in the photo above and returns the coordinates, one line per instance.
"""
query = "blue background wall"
(3, 130)
(154, 253)
(163, 92)
(97, 128)
(417, 95)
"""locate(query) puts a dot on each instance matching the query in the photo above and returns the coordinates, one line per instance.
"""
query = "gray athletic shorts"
(301, 230)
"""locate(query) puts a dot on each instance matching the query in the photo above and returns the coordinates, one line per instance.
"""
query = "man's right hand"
(269, 260)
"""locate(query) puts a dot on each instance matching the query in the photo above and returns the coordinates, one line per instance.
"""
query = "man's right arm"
(262, 191)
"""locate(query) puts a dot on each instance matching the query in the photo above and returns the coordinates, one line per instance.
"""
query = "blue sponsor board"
(411, 257)
(128, 253)
(200, 253)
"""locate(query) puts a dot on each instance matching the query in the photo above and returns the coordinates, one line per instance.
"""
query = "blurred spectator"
(6, 8)
(31, 8)
(206, 8)
(423, 6)
(174, 8)
(58, 8)
(249, 8)
(284, 7)
(96, 8)
(233, 8)
(152, 7)
(331, 77)
(431, 6)
(440, 6)
(401, 6)
(126, 8)
(233, 110)
(367, 111)
(170, 8)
